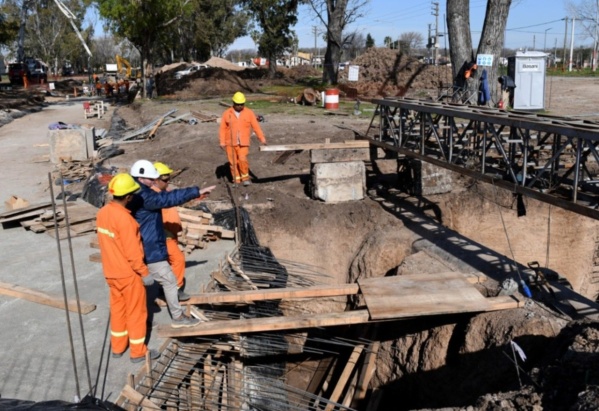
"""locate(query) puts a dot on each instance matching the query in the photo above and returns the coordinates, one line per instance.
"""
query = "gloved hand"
(148, 280)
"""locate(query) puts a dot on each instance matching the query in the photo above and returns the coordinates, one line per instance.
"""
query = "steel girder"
(552, 159)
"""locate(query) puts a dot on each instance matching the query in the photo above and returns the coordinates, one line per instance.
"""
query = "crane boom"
(71, 17)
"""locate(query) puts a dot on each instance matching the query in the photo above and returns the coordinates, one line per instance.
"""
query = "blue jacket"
(146, 207)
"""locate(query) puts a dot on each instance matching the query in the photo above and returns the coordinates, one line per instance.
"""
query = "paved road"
(35, 352)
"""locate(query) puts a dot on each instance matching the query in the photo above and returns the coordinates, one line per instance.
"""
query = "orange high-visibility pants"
(238, 160)
(176, 259)
(128, 315)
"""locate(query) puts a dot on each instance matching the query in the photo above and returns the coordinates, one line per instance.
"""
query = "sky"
(531, 23)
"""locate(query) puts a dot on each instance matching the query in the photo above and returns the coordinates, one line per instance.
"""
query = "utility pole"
(596, 33)
(429, 45)
(565, 40)
(315, 31)
(572, 45)
(436, 45)
(534, 40)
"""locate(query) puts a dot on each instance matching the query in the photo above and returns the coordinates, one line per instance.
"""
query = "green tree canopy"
(369, 41)
(275, 18)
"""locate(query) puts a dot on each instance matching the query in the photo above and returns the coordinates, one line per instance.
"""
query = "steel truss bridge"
(548, 158)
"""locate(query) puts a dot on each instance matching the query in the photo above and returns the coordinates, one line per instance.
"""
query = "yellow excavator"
(124, 69)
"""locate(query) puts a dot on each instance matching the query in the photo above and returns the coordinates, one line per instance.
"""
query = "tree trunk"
(335, 22)
(491, 40)
(460, 41)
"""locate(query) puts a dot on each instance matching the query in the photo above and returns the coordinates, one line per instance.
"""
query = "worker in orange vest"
(125, 271)
(172, 227)
(235, 130)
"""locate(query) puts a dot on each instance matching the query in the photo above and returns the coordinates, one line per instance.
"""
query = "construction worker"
(172, 228)
(125, 270)
(146, 207)
(234, 136)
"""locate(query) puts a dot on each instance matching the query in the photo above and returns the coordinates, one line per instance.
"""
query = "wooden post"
(347, 371)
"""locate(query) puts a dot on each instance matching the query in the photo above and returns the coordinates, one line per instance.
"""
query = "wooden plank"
(423, 294)
(274, 294)
(266, 324)
(347, 372)
(82, 228)
(138, 399)
(17, 291)
(95, 258)
(367, 372)
(317, 146)
(339, 155)
(11, 213)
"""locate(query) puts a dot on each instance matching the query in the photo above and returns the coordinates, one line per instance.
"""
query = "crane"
(71, 17)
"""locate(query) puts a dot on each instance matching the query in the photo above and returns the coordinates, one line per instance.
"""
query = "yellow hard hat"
(122, 184)
(162, 168)
(238, 98)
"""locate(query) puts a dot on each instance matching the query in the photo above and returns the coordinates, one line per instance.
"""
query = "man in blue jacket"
(146, 207)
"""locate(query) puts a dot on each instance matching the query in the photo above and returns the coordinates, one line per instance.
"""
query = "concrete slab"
(35, 349)
(338, 182)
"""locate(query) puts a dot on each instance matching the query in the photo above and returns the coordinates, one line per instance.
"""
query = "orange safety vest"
(120, 242)
(236, 131)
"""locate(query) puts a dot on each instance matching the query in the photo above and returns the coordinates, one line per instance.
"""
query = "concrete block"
(68, 144)
(335, 155)
(338, 182)
(436, 180)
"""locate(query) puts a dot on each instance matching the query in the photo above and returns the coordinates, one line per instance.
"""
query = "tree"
(354, 45)
(460, 40)
(275, 17)
(141, 22)
(586, 13)
(206, 29)
(412, 39)
(387, 41)
(335, 15)
(46, 33)
(9, 28)
(369, 41)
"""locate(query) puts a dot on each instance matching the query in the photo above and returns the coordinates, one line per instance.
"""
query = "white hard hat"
(144, 168)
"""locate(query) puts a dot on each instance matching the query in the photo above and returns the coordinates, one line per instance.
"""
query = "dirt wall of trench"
(481, 211)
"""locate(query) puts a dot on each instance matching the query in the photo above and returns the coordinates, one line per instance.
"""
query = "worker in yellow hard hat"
(235, 130)
(172, 227)
(125, 270)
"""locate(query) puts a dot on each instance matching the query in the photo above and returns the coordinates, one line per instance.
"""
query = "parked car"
(191, 69)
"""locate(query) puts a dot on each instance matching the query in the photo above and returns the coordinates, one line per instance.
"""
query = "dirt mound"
(384, 72)
(222, 63)
(300, 72)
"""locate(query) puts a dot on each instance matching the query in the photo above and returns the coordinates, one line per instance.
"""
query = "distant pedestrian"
(125, 271)
(150, 86)
(235, 130)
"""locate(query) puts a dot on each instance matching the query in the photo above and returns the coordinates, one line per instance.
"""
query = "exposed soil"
(456, 362)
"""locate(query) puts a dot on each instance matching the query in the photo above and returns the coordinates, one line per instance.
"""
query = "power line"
(535, 25)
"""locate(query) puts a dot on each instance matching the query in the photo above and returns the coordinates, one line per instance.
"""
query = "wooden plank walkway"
(387, 298)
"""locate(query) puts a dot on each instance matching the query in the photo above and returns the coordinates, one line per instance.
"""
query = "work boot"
(154, 355)
(118, 355)
(247, 183)
(184, 321)
(183, 296)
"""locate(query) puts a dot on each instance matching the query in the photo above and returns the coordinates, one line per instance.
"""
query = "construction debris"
(41, 219)
(198, 229)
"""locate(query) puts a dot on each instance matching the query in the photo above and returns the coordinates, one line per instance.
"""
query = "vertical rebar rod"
(64, 288)
(75, 285)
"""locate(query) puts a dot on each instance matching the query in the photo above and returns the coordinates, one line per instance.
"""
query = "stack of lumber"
(204, 118)
(40, 219)
(74, 170)
(199, 230)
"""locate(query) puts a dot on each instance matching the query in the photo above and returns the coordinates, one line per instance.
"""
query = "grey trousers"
(162, 273)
